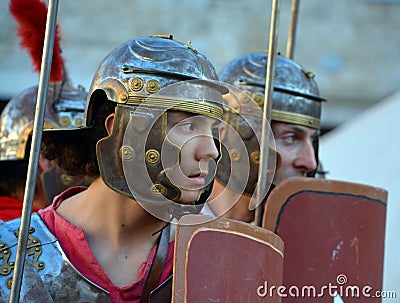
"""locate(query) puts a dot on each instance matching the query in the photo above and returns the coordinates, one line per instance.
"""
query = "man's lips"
(198, 178)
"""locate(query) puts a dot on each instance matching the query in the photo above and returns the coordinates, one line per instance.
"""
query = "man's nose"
(306, 157)
(206, 148)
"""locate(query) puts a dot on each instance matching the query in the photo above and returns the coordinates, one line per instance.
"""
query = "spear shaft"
(292, 29)
(34, 150)
(265, 133)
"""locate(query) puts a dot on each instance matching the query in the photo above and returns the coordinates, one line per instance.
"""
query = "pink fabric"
(11, 208)
(73, 241)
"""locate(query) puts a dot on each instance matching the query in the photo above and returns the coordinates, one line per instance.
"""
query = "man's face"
(193, 135)
(294, 145)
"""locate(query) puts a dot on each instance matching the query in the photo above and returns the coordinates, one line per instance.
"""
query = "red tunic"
(11, 208)
(73, 241)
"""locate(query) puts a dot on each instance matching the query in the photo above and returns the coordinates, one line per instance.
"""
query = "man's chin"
(188, 197)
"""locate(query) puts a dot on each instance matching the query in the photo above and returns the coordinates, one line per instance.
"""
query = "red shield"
(334, 238)
(225, 261)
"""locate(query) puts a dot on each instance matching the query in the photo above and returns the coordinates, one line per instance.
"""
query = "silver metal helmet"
(64, 109)
(295, 96)
(145, 77)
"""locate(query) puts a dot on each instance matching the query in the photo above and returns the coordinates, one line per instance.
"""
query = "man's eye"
(289, 139)
(187, 126)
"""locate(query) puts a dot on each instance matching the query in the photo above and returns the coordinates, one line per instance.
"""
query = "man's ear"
(44, 164)
(109, 123)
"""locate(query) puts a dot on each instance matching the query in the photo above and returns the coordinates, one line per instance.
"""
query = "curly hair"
(74, 151)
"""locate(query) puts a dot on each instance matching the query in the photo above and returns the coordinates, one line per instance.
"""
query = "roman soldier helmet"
(145, 77)
(64, 108)
(295, 95)
(65, 103)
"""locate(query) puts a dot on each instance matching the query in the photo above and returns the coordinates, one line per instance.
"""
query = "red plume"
(31, 16)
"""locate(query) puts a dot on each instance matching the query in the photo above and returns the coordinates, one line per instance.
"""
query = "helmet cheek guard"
(130, 134)
(239, 165)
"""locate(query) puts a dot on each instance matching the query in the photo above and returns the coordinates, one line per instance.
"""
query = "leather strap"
(157, 266)
(163, 292)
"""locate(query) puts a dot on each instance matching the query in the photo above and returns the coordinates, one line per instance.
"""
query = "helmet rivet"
(309, 74)
(124, 97)
(255, 157)
(78, 122)
(65, 121)
(152, 86)
(234, 154)
(9, 283)
(158, 189)
(136, 84)
(152, 156)
(258, 99)
(127, 152)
